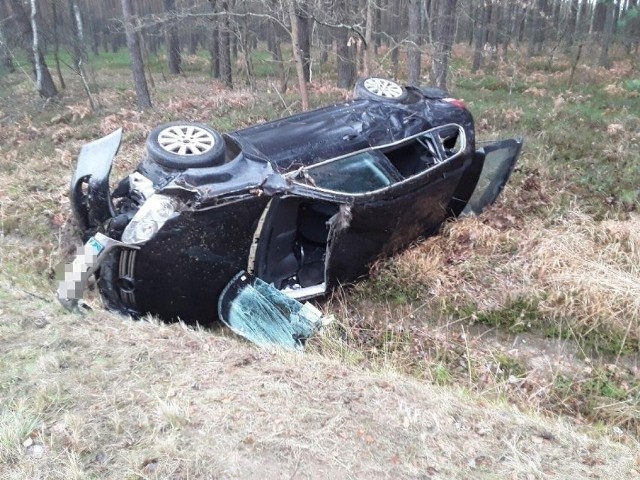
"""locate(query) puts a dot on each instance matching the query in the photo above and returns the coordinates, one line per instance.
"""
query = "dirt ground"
(105, 397)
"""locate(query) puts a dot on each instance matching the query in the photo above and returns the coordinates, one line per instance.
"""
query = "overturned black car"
(302, 204)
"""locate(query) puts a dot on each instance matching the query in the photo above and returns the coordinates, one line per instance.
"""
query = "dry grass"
(109, 398)
(567, 291)
(590, 272)
(441, 365)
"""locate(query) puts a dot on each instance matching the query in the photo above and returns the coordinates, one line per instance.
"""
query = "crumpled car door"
(266, 316)
(500, 158)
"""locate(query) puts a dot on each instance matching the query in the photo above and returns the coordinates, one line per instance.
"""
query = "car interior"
(293, 246)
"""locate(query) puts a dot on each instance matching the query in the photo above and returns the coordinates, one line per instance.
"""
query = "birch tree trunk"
(137, 66)
(44, 83)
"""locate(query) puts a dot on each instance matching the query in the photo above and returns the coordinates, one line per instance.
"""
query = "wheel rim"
(186, 140)
(383, 87)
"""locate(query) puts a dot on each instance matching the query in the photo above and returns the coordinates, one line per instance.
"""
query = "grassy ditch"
(535, 302)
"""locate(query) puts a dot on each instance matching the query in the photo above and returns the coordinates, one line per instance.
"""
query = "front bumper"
(75, 276)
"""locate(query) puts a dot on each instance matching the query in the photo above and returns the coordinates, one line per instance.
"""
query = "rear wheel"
(375, 88)
(186, 145)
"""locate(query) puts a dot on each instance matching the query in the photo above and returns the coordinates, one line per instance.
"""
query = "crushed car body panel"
(303, 203)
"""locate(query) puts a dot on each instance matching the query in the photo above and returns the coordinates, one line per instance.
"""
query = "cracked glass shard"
(266, 316)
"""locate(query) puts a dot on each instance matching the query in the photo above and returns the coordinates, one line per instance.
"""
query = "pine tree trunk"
(443, 38)
(137, 66)
(304, 39)
(214, 46)
(415, 52)
(607, 35)
(572, 22)
(7, 59)
(298, 55)
(479, 35)
(276, 53)
(345, 61)
(632, 28)
(224, 51)
(368, 39)
(174, 58)
(345, 54)
(247, 46)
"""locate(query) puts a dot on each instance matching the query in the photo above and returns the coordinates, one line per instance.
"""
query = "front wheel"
(375, 88)
(184, 145)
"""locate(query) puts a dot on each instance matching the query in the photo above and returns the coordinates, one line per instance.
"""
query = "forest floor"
(506, 347)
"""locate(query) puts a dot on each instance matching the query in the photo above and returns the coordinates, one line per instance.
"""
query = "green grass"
(599, 167)
(390, 283)
(633, 85)
(264, 65)
(517, 316)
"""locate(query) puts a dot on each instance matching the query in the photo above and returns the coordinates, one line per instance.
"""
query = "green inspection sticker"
(95, 245)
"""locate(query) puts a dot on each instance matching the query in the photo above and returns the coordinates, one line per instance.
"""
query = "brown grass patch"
(590, 274)
(110, 398)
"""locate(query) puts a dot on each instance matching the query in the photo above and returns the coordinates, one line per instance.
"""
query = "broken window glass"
(360, 173)
(266, 316)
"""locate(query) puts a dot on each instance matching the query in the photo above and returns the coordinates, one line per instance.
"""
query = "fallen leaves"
(615, 129)
(366, 437)
(536, 92)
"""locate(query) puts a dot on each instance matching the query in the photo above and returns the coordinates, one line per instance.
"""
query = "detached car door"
(499, 161)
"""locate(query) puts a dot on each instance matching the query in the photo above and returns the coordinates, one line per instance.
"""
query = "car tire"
(375, 88)
(184, 145)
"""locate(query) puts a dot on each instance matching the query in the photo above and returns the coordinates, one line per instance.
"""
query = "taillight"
(455, 101)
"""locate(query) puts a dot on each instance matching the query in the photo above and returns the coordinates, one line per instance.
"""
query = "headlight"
(149, 219)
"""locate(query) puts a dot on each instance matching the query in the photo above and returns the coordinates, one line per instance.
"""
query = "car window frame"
(302, 185)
